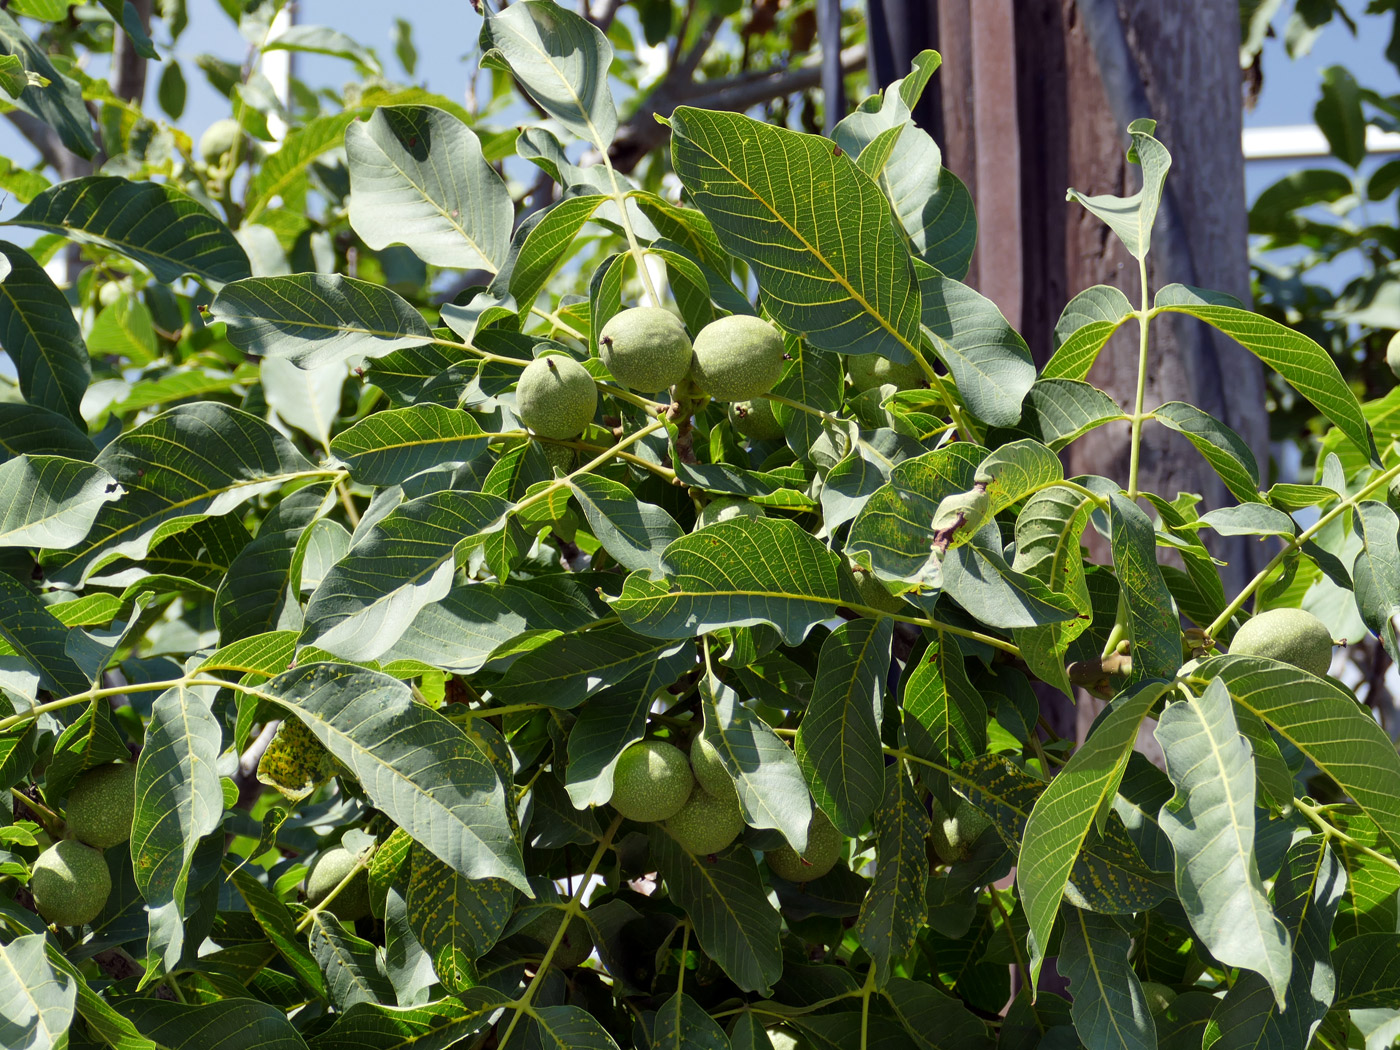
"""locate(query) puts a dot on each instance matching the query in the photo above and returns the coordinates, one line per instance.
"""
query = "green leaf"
(59, 103)
(1057, 412)
(945, 717)
(979, 580)
(457, 920)
(433, 1026)
(281, 172)
(1306, 894)
(1338, 113)
(387, 447)
(838, 742)
(49, 501)
(1109, 1007)
(633, 532)
(683, 1024)
(930, 202)
(726, 902)
(1368, 972)
(241, 1024)
(748, 178)
(565, 671)
(1376, 571)
(988, 359)
(29, 429)
(1210, 823)
(348, 963)
(1085, 325)
(278, 926)
(412, 763)
(1076, 800)
(39, 332)
(1152, 619)
(316, 319)
(154, 224)
(400, 564)
(546, 246)
(735, 574)
(197, 460)
(418, 177)
(321, 40)
(1323, 721)
(933, 1019)
(1017, 470)
(608, 724)
(561, 1027)
(894, 526)
(894, 908)
(459, 633)
(259, 593)
(1131, 218)
(766, 774)
(1307, 367)
(179, 800)
(36, 1000)
(1222, 448)
(561, 60)
(860, 474)
(39, 638)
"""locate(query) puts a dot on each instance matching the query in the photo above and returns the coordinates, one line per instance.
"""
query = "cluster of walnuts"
(697, 800)
(735, 359)
(70, 881)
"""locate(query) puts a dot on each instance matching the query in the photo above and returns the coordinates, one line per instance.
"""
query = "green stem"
(93, 694)
(591, 465)
(571, 912)
(1315, 815)
(1135, 450)
(1379, 481)
(51, 820)
(559, 323)
(865, 994)
(646, 404)
(638, 255)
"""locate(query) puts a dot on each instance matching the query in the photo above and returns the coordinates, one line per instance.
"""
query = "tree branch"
(641, 133)
(128, 67)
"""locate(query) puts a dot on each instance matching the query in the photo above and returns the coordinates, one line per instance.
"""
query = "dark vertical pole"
(833, 83)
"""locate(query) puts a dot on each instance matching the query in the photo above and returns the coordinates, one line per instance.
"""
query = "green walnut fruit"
(755, 419)
(868, 371)
(560, 456)
(873, 593)
(1290, 635)
(954, 835)
(574, 948)
(1392, 354)
(707, 823)
(70, 883)
(727, 508)
(1158, 997)
(556, 397)
(101, 805)
(217, 140)
(645, 348)
(652, 781)
(330, 868)
(709, 771)
(824, 846)
(737, 358)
